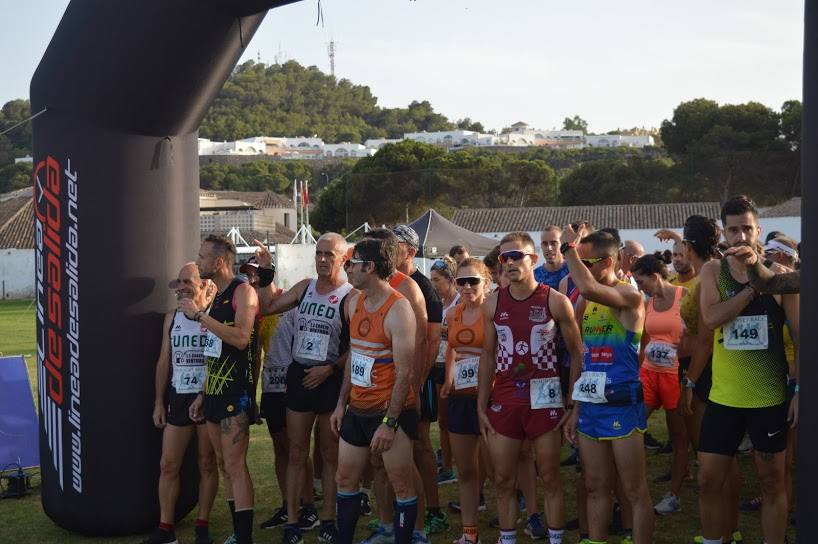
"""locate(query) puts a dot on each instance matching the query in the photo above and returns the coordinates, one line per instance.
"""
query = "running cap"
(252, 262)
(774, 246)
(407, 234)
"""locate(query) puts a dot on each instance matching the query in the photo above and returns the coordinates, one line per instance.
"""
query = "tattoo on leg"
(242, 427)
(224, 425)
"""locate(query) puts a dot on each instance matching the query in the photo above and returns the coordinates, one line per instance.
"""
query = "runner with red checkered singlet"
(521, 324)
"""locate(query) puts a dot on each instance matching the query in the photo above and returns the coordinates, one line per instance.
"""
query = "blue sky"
(616, 64)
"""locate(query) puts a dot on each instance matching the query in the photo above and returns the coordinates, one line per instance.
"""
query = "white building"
(446, 138)
(347, 149)
(303, 141)
(619, 140)
(377, 143)
(250, 146)
(27, 158)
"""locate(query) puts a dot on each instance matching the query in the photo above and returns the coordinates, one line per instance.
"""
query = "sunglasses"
(471, 281)
(352, 262)
(513, 255)
(591, 262)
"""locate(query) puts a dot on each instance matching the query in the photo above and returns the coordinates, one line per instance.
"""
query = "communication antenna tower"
(331, 53)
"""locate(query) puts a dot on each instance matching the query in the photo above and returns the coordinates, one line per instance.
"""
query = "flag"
(305, 197)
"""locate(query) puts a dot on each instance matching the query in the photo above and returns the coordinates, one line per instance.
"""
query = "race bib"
(590, 387)
(661, 354)
(189, 379)
(274, 379)
(545, 393)
(213, 345)
(746, 332)
(361, 369)
(441, 351)
(465, 373)
(312, 345)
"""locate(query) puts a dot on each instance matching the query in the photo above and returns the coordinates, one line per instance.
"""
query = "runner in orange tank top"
(465, 338)
(375, 413)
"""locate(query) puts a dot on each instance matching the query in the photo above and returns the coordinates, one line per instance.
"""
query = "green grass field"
(22, 521)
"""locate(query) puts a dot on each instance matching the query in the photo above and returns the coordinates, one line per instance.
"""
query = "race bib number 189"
(746, 332)
(360, 369)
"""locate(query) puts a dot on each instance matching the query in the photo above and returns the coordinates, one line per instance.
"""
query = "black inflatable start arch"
(125, 85)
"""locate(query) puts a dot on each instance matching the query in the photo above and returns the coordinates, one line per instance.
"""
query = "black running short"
(179, 408)
(428, 400)
(462, 413)
(321, 400)
(358, 430)
(274, 411)
(219, 407)
(723, 428)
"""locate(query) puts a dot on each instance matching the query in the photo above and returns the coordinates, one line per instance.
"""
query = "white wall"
(16, 273)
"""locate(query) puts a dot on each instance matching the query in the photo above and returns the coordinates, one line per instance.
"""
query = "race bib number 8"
(189, 380)
(465, 373)
(360, 369)
(661, 354)
(545, 393)
(312, 345)
(746, 332)
(213, 345)
(590, 387)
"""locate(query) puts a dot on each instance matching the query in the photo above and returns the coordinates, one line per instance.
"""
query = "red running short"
(520, 422)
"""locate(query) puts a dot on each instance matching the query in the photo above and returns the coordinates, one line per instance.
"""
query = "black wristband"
(265, 276)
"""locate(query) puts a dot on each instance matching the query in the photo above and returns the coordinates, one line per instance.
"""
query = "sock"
(244, 526)
(406, 512)
(167, 527)
(711, 540)
(348, 506)
(434, 511)
(470, 532)
(200, 528)
(508, 537)
(555, 536)
(231, 504)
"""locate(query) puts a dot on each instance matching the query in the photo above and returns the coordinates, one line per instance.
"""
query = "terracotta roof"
(621, 216)
(788, 208)
(17, 220)
(258, 199)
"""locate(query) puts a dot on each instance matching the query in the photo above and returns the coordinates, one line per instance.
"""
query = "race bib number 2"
(360, 369)
(746, 332)
(312, 345)
(590, 387)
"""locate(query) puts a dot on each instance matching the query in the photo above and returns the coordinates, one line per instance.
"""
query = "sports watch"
(390, 422)
(565, 246)
(687, 382)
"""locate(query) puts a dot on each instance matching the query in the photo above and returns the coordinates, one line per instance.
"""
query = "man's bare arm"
(400, 326)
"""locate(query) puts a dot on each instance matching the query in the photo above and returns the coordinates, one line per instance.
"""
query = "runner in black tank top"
(229, 385)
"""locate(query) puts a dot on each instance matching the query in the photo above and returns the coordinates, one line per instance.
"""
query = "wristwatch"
(687, 382)
(566, 246)
(390, 422)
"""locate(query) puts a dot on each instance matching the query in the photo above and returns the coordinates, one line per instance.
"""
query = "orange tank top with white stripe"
(372, 366)
(467, 343)
(664, 330)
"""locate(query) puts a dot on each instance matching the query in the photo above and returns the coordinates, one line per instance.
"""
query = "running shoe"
(373, 524)
(308, 518)
(445, 476)
(651, 443)
(571, 460)
(203, 538)
(753, 505)
(464, 540)
(662, 478)
(534, 528)
(279, 518)
(231, 539)
(627, 539)
(666, 448)
(366, 507)
(379, 536)
(520, 501)
(436, 524)
(420, 538)
(160, 536)
(736, 539)
(669, 504)
(291, 535)
(328, 534)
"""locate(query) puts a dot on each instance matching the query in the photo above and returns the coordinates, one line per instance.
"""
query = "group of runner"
(512, 358)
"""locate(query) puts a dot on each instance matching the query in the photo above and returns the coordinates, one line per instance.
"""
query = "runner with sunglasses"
(609, 414)
(521, 326)
(460, 389)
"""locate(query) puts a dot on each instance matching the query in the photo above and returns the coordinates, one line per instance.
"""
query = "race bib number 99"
(746, 332)
(590, 387)
(360, 369)
(465, 373)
